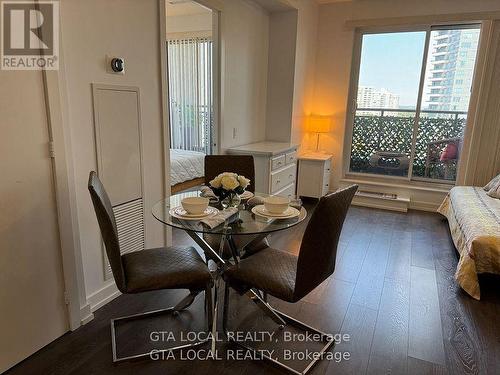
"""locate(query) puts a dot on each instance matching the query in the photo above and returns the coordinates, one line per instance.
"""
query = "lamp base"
(317, 143)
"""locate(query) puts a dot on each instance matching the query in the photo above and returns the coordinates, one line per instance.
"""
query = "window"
(190, 94)
(411, 110)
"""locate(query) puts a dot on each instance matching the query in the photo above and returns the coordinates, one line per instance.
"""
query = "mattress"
(474, 220)
(185, 165)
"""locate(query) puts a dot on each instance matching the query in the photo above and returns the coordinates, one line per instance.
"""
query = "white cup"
(195, 205)
(276, 204)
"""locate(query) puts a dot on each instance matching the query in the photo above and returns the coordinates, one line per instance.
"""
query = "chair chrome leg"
(186, 301)
(214, 313)
(265, 307)
(225, 311)
(327, 338)
(183, 304)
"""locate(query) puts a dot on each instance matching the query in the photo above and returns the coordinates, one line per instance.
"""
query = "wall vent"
(118, 131)
(130, 224)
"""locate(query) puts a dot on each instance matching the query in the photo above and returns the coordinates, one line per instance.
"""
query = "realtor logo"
(30, 35)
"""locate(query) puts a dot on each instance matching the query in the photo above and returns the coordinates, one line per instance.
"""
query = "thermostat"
(117, 65)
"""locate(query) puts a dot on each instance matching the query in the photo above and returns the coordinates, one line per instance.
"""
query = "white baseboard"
(424, 206)
(400, 204)
(86, 314)
(382, 206)
(103, 296)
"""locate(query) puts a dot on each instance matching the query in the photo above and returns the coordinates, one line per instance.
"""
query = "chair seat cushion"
(272, 271)
(165, 268)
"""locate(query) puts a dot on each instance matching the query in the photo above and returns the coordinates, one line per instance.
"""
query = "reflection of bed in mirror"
(186, 169)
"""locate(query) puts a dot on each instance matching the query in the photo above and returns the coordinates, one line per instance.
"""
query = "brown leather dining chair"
(151, 269)
(289, 277)
(242, 165)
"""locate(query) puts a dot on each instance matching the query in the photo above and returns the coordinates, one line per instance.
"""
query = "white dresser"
(275, 166)
(314, 175)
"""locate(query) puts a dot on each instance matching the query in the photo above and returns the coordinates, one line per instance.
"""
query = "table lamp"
(318, 125)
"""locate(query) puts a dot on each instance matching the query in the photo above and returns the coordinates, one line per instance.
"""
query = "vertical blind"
(190, 94)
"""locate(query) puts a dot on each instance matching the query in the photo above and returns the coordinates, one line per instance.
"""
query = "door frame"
(60, 148)
(216, 6)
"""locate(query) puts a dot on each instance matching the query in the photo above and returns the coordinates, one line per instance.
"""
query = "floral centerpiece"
(228, 186)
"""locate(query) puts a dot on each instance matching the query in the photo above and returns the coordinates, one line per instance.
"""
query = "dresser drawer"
(282, 178)
(277, 162)
(287, 192)
(291, 157)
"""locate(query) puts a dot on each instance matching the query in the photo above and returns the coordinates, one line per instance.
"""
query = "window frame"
(359, 32)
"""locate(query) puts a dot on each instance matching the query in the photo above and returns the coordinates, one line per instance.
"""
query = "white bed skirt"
(185, 165)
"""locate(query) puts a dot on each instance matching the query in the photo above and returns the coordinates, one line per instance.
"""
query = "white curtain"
(190, 94)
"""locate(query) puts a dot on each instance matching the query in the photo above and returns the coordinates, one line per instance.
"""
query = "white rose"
(229, 182)
(244, 182)
(216, 182)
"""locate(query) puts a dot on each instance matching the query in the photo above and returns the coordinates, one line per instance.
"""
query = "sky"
(393, 61)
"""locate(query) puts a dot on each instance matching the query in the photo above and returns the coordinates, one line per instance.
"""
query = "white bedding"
(185, 165)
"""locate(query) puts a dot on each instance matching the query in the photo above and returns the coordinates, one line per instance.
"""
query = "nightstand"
(314, 174)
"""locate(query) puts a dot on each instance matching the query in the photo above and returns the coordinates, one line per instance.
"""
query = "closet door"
(32, 308)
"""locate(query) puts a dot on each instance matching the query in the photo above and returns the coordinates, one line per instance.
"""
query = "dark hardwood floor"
(393, 293)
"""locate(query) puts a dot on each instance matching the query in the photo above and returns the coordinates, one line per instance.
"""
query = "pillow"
(493, 183)
(450, 152)
(494, 192)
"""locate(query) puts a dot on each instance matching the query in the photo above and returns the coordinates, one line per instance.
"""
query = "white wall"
(244, 49)
(334, 55)
(129, 29)
(281, 75)
(189, 22)
(305, 61)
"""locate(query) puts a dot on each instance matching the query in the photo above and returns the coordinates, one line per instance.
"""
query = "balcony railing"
(382, 142)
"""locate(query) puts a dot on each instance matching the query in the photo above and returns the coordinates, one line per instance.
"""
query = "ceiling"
(184, 8)
(333, 1)
(277, 5)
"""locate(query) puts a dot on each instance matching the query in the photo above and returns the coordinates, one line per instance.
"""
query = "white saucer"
(246, 195)
(289, 212)
(181, 213)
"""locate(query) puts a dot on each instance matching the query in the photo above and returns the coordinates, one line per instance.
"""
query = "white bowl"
(276, 205)
(195, 205)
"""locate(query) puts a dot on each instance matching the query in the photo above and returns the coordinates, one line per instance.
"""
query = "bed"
(186, 169)
(474, 220)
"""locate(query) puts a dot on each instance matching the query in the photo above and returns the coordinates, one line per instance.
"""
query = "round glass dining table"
(244, 222)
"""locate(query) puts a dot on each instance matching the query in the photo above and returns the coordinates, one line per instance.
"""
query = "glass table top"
(243, 223)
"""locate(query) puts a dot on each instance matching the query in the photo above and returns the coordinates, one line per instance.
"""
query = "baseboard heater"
(386, 201)
(374, 194)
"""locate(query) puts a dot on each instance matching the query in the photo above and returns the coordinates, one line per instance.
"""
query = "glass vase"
(232, 200)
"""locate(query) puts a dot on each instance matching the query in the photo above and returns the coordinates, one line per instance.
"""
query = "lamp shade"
(318, 124)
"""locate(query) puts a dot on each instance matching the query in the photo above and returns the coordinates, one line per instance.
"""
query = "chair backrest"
(240, 164)
(318, 250)
(107, 224)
